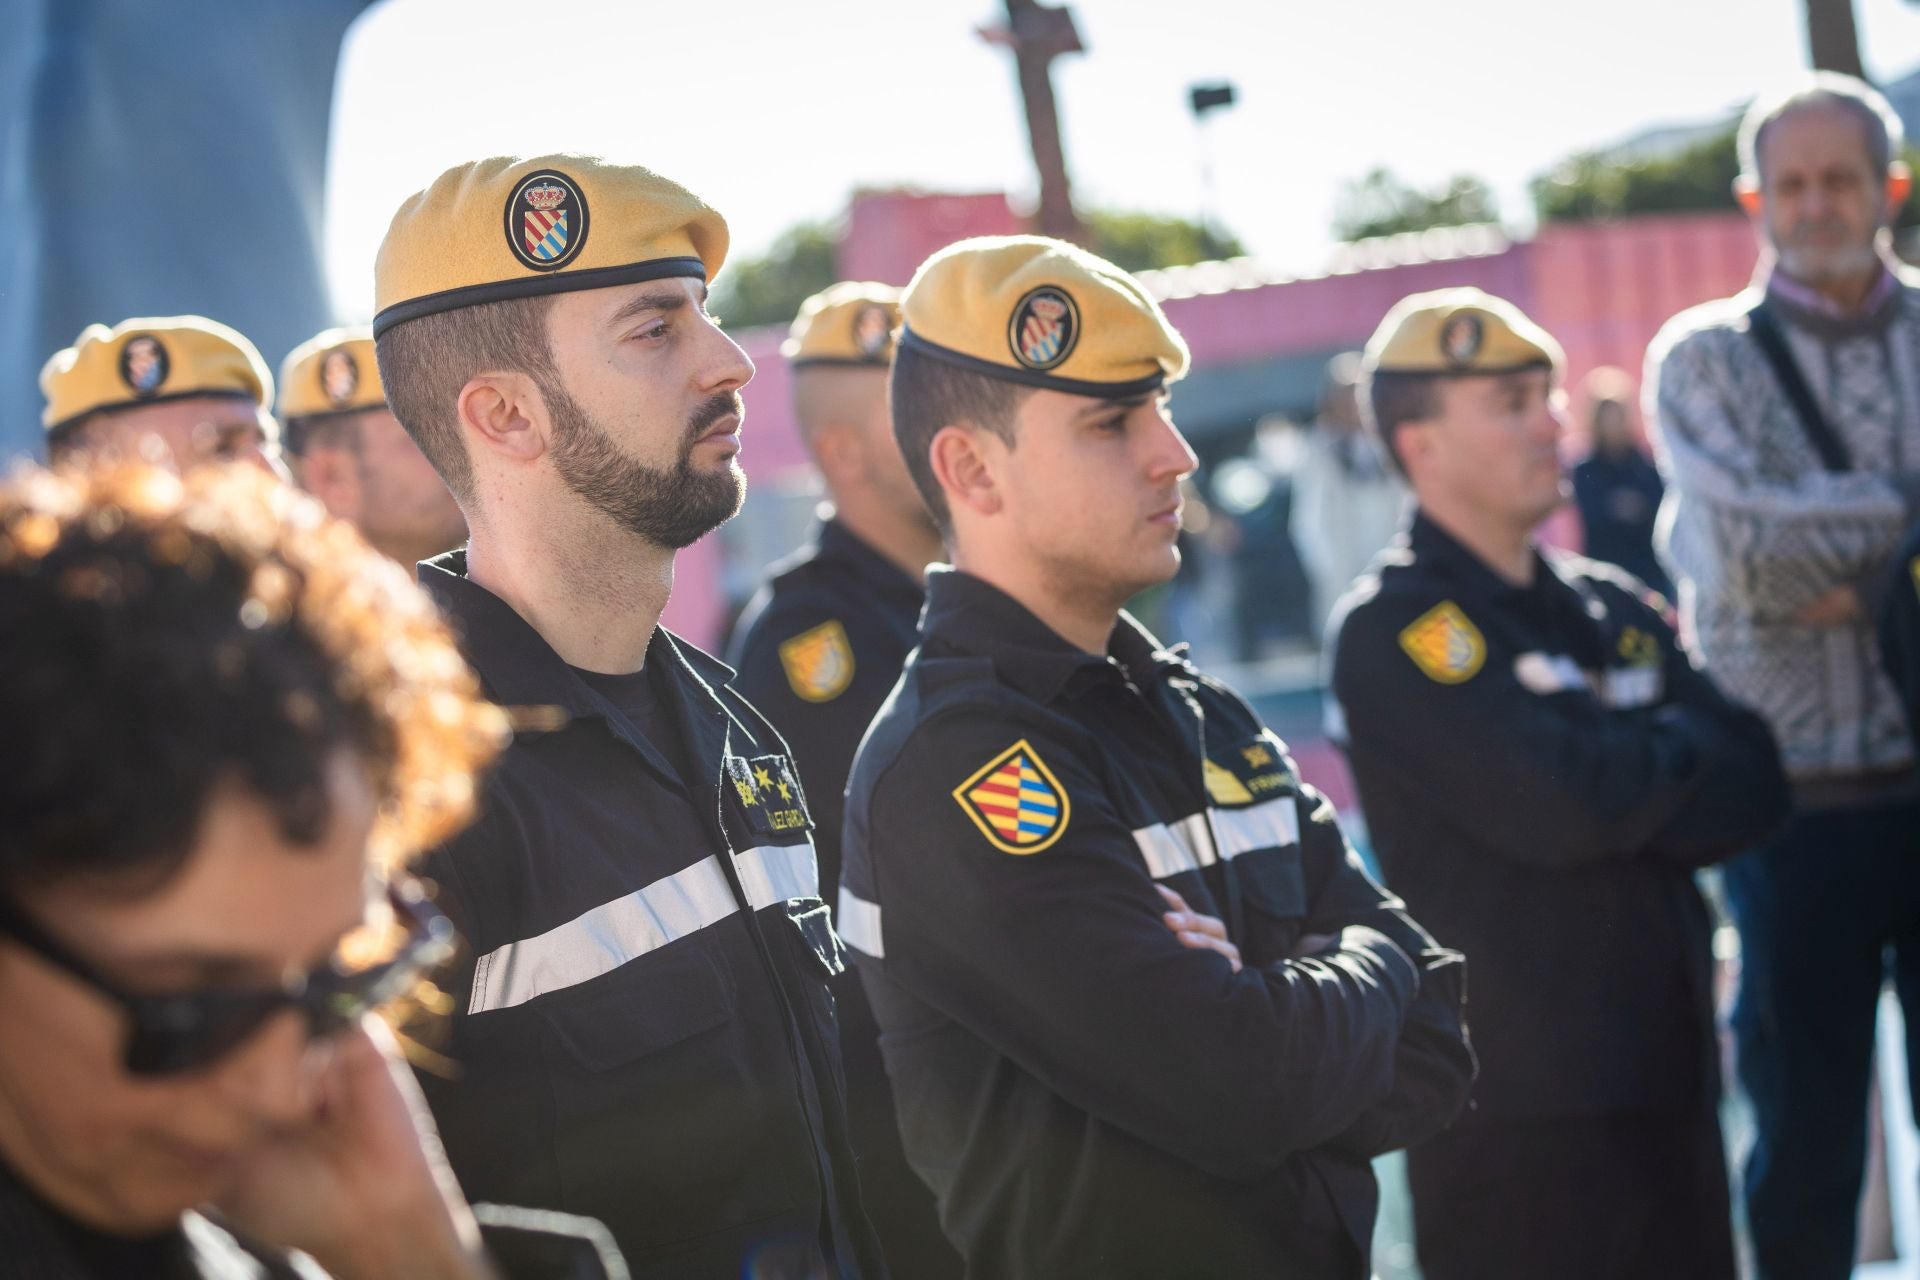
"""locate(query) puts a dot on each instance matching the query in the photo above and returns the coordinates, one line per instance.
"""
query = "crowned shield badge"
(546, 221)
(1044, 328)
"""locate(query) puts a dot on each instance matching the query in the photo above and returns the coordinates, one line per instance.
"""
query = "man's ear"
(836, 448)
(1746, 190)
(962, 463)
(504, 414)
(331, 474)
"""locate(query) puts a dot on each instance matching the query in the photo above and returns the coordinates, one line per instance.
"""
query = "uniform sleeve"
(1542, 782)
(1765, 545)
(1433, 1064)
(1055, 953)
(1741, 793)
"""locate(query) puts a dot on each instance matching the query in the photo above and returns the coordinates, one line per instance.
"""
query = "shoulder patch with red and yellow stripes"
(1015, 800)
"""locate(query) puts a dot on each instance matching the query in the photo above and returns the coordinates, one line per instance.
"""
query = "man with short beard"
(643, 1022)
(1786, 420)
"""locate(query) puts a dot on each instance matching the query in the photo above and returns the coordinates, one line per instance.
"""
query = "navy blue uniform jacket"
(1087, 1096)
(1542, 769)
(642, 1030)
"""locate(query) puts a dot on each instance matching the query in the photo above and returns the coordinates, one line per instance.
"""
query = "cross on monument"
(1038, 34)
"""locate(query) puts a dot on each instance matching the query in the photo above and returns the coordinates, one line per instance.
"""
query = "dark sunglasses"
(178, 1033)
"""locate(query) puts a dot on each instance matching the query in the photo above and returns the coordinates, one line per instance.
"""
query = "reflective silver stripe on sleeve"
(1168, 848)
(1271, 824)
(778, 873)
(604, 938)
(858, 923)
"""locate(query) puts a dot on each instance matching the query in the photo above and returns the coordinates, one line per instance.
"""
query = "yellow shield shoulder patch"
(1444, 644)
(819, 662)
(1015, 800)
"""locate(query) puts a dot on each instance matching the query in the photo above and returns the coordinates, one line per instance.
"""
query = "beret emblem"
(1044, 328)
(143, 364)
(1461, 337)
(546, 221)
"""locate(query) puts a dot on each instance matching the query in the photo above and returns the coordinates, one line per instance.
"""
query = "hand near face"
(362, 1186)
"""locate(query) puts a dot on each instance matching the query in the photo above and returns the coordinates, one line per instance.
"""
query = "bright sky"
(774, 110)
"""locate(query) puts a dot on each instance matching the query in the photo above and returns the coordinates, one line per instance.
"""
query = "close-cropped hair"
(927, 393)
(164, 636)
(426, 361)
(1390, 400)
(1879, 125)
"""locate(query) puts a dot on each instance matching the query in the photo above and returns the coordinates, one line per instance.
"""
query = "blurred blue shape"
(159, 159)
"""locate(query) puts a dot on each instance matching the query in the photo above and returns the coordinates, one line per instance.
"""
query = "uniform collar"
(516, 663)
(834, 541)
(1435, 547)
(976, 617)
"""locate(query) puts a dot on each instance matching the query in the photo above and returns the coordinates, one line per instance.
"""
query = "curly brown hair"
(161, 634)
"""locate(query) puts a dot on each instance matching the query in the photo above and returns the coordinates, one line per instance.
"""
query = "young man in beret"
(192, 385)
(643, 1031)
(817, 650)
(349, 451)
(1542, 769)
(1144, 1013)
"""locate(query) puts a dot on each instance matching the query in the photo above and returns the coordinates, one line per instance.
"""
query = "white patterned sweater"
(1755, 526)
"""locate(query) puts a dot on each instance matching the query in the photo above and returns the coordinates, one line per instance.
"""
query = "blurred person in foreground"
(645, 1032)
(1348, 502)
(176, 389)
(1542, 769)
(229, 726)
(1788, 424)
(1616, 486)
(349, 451)
(819, 647)
(1144, 1012)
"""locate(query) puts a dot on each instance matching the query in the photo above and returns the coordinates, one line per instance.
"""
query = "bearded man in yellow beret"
(642, 1030)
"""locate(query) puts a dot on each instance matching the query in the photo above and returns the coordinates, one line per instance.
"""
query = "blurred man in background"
(349, 451)
(1542, 769)
(1616, 486)
(1348, 502)
(182, 388)
(818, 649)
(1788, 428)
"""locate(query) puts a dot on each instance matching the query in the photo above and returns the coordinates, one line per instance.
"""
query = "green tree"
(770, 288)
(1147, 241)
(1381, 204)
(1593, 185)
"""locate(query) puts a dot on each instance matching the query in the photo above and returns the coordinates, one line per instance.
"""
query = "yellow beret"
(511, 228)
(144, 360)
(848, 323)
(1459, 331)
(1043, 313)
(334, 372)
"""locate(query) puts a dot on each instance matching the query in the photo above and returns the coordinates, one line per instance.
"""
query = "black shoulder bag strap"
(1820, 433)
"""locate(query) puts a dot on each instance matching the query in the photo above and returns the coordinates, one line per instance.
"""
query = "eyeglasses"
(172, 1034)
